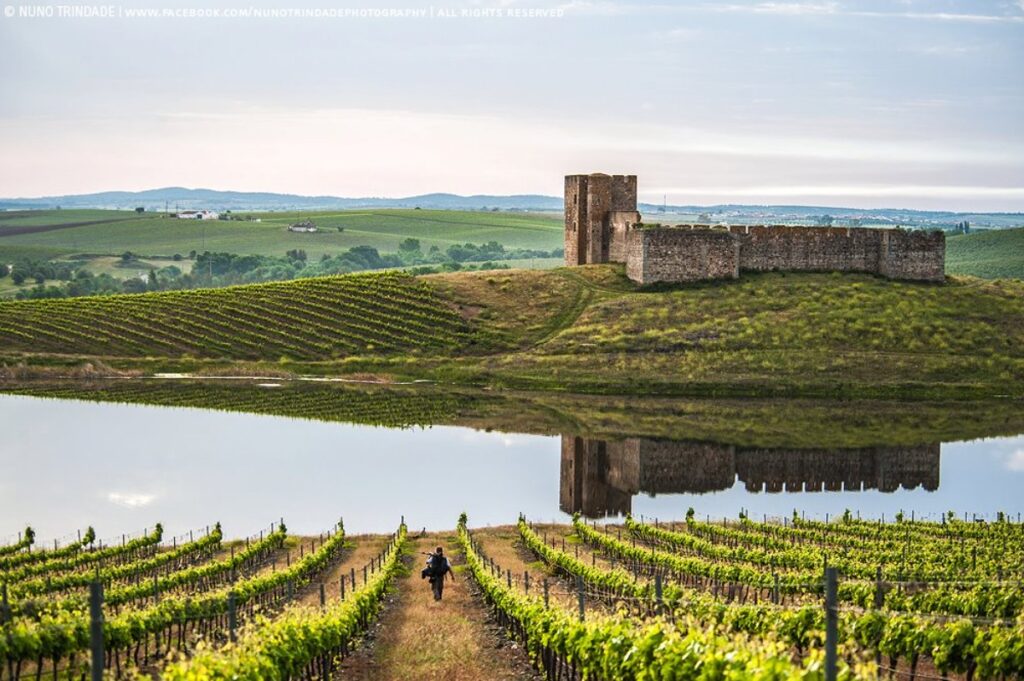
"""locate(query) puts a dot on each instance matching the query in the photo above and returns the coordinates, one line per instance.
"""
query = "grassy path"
(454, 639)
(361, 549)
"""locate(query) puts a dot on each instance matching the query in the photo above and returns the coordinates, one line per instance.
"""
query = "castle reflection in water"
(600, 477)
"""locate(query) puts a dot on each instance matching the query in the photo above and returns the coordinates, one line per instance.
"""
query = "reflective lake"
(68, 463)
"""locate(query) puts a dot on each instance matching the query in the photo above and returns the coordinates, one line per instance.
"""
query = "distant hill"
(212, 199)
(181, 197)
(991, 254)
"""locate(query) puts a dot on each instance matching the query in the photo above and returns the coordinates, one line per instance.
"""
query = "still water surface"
(68, 464)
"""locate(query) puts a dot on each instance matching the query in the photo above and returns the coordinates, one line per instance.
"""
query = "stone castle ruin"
(602, 225)
(601, 477)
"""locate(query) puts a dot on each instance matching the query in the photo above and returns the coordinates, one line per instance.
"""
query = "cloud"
(795, 8)
(834, 9)
(131, 499)
(1015, 461)
(888, 190)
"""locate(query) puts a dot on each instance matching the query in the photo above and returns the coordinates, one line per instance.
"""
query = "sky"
(144, 472)
(861, 103)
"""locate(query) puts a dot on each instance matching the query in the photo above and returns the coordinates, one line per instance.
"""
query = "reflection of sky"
(124, 467)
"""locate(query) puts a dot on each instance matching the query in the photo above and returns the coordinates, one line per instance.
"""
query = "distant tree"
(177, 257)
(495, 210)
(133, 285)
(409, 245)
(152, 283)
(826, 221)
(127, 256)
(140, 209)
(192, 254)
(3, 271)
(296, 254)
(40, 279)
(18, 277)
(340, 228)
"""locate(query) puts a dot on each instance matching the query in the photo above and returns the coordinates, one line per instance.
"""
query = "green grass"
(749, 423)
(990, 254)
(583, 329)
(154, 235)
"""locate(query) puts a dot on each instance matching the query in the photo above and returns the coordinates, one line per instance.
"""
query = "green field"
(114, 232)
(990, 254)
(585, 329)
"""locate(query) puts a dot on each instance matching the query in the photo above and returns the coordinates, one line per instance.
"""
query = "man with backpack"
(437, 569)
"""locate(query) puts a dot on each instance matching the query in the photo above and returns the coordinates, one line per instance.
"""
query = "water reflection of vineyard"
(600, 477)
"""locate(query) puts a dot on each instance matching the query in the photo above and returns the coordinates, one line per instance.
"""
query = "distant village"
(302, 226)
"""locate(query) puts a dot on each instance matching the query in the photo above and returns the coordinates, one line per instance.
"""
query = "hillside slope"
(114, 232)
(585, 329)
(991, 254)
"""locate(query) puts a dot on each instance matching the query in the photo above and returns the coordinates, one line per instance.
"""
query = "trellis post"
(96, 629)
(831, 624)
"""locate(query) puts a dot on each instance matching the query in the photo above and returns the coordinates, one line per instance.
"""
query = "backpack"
(438, 565)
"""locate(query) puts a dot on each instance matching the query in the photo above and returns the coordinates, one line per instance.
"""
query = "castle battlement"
(602, 225)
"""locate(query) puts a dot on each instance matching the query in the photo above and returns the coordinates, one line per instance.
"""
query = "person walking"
(438, 568)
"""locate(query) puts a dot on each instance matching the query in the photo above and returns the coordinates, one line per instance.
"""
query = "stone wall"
(821, 249)
(575, 218)
(694, 252)
(599, 211)
(600, 477)
(917, 256)
(680, 255)
(620, 224)
(813, 470)
(603, 225)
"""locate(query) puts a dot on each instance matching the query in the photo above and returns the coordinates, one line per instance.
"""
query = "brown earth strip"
(37, 229)
(455, 639)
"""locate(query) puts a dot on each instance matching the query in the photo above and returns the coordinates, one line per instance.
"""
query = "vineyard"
(364, 404)
(312, 319)
(787, 598)
(583, 330)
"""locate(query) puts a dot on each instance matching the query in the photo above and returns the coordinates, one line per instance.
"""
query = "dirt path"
(365, 547)
(455, 639)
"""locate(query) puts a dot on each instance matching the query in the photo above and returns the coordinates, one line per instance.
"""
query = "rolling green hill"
(65, 232)
(990, 254)
(586, 329)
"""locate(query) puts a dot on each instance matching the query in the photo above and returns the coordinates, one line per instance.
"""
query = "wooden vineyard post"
(580, 597)
(831, 624)
(657, 589)
(545, 593)
(342, 587)
(232, 617)
(96, 630)
(526, 581)
(879, 600)
(352, 574)
(323, 595)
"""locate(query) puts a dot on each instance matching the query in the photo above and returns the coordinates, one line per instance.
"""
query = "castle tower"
(599, 212)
